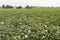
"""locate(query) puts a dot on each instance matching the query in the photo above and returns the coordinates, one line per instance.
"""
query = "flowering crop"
(30, 24)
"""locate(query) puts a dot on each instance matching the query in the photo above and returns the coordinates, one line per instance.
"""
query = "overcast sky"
(31, 2)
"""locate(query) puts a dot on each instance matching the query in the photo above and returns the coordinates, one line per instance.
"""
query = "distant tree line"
(19, 7)
(7, 6)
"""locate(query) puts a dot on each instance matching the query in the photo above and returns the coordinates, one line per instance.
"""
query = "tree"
(9, 6)
(28, 6)
(3, 6)
(19, 7)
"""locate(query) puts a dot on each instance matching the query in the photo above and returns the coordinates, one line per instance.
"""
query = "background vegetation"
(17, 7)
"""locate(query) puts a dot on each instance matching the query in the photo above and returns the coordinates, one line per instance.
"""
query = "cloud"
(31, 2)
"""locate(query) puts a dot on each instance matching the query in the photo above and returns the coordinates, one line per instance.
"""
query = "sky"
(47, 3)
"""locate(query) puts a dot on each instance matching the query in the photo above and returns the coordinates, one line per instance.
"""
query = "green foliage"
(3, 6)
(9, 6)
(19, 7)
(29, 7)
(30, 24)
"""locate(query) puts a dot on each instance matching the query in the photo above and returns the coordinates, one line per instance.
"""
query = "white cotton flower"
(46, 30)
(45, 25)
(20, 23)
(2, 22)
(57, 32)
(29, 31)
(26, 36)
(57, 27)
(22, 33)
(32, 35)
(43, 36)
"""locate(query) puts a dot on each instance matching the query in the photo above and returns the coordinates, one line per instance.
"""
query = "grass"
(30, 24)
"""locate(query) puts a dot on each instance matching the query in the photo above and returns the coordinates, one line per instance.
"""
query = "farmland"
(30, 24)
